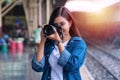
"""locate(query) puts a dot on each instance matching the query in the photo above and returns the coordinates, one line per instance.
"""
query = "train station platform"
(85, 73)
(19, 67)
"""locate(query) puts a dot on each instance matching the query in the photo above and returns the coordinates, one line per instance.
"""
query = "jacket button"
(48, 77)
(65, 79)
(47, 55)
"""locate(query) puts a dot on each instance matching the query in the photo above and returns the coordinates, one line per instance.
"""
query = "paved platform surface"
(18, 67)
(85, 73)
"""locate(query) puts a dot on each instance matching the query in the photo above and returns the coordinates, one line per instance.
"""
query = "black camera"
(48, 29)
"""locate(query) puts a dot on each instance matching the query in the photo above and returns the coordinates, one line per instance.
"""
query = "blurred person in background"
(3, 44)
(60, 56)
(37, 37)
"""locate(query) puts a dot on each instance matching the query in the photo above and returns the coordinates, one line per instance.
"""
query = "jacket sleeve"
(38, 66)
(75, 58)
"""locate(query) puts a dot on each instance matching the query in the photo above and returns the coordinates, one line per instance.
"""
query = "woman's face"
(64, 23)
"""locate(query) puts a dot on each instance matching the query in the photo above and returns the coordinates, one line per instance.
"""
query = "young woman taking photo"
(60, 54)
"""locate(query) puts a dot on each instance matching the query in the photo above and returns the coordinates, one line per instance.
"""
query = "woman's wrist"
(43, 40)
(59, 41)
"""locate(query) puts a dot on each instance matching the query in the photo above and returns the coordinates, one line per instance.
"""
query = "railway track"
(107, 50)
(105, 64)
(98, 72)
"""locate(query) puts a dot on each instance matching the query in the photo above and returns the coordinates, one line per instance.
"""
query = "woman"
(60, 57)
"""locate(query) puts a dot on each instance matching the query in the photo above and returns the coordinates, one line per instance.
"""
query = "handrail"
(8, 7)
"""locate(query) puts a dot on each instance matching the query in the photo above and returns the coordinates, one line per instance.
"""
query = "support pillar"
(0, 19)
(47, 10)
(31, 12)
(40, 12)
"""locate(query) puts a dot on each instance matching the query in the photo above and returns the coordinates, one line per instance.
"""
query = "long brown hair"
(64, 12)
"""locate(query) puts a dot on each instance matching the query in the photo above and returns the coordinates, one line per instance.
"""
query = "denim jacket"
(71, 59)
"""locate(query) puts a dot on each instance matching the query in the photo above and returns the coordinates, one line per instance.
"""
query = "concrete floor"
(17, 66)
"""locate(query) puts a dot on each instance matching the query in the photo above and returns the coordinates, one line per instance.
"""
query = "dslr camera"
(48, 29)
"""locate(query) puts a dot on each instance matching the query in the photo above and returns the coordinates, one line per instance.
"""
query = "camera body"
(48, 29)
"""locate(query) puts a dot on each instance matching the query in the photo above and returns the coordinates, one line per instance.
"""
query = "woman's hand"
(40, 52)
(43, 37)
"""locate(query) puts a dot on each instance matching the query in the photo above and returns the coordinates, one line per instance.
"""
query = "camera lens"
(48, 30)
